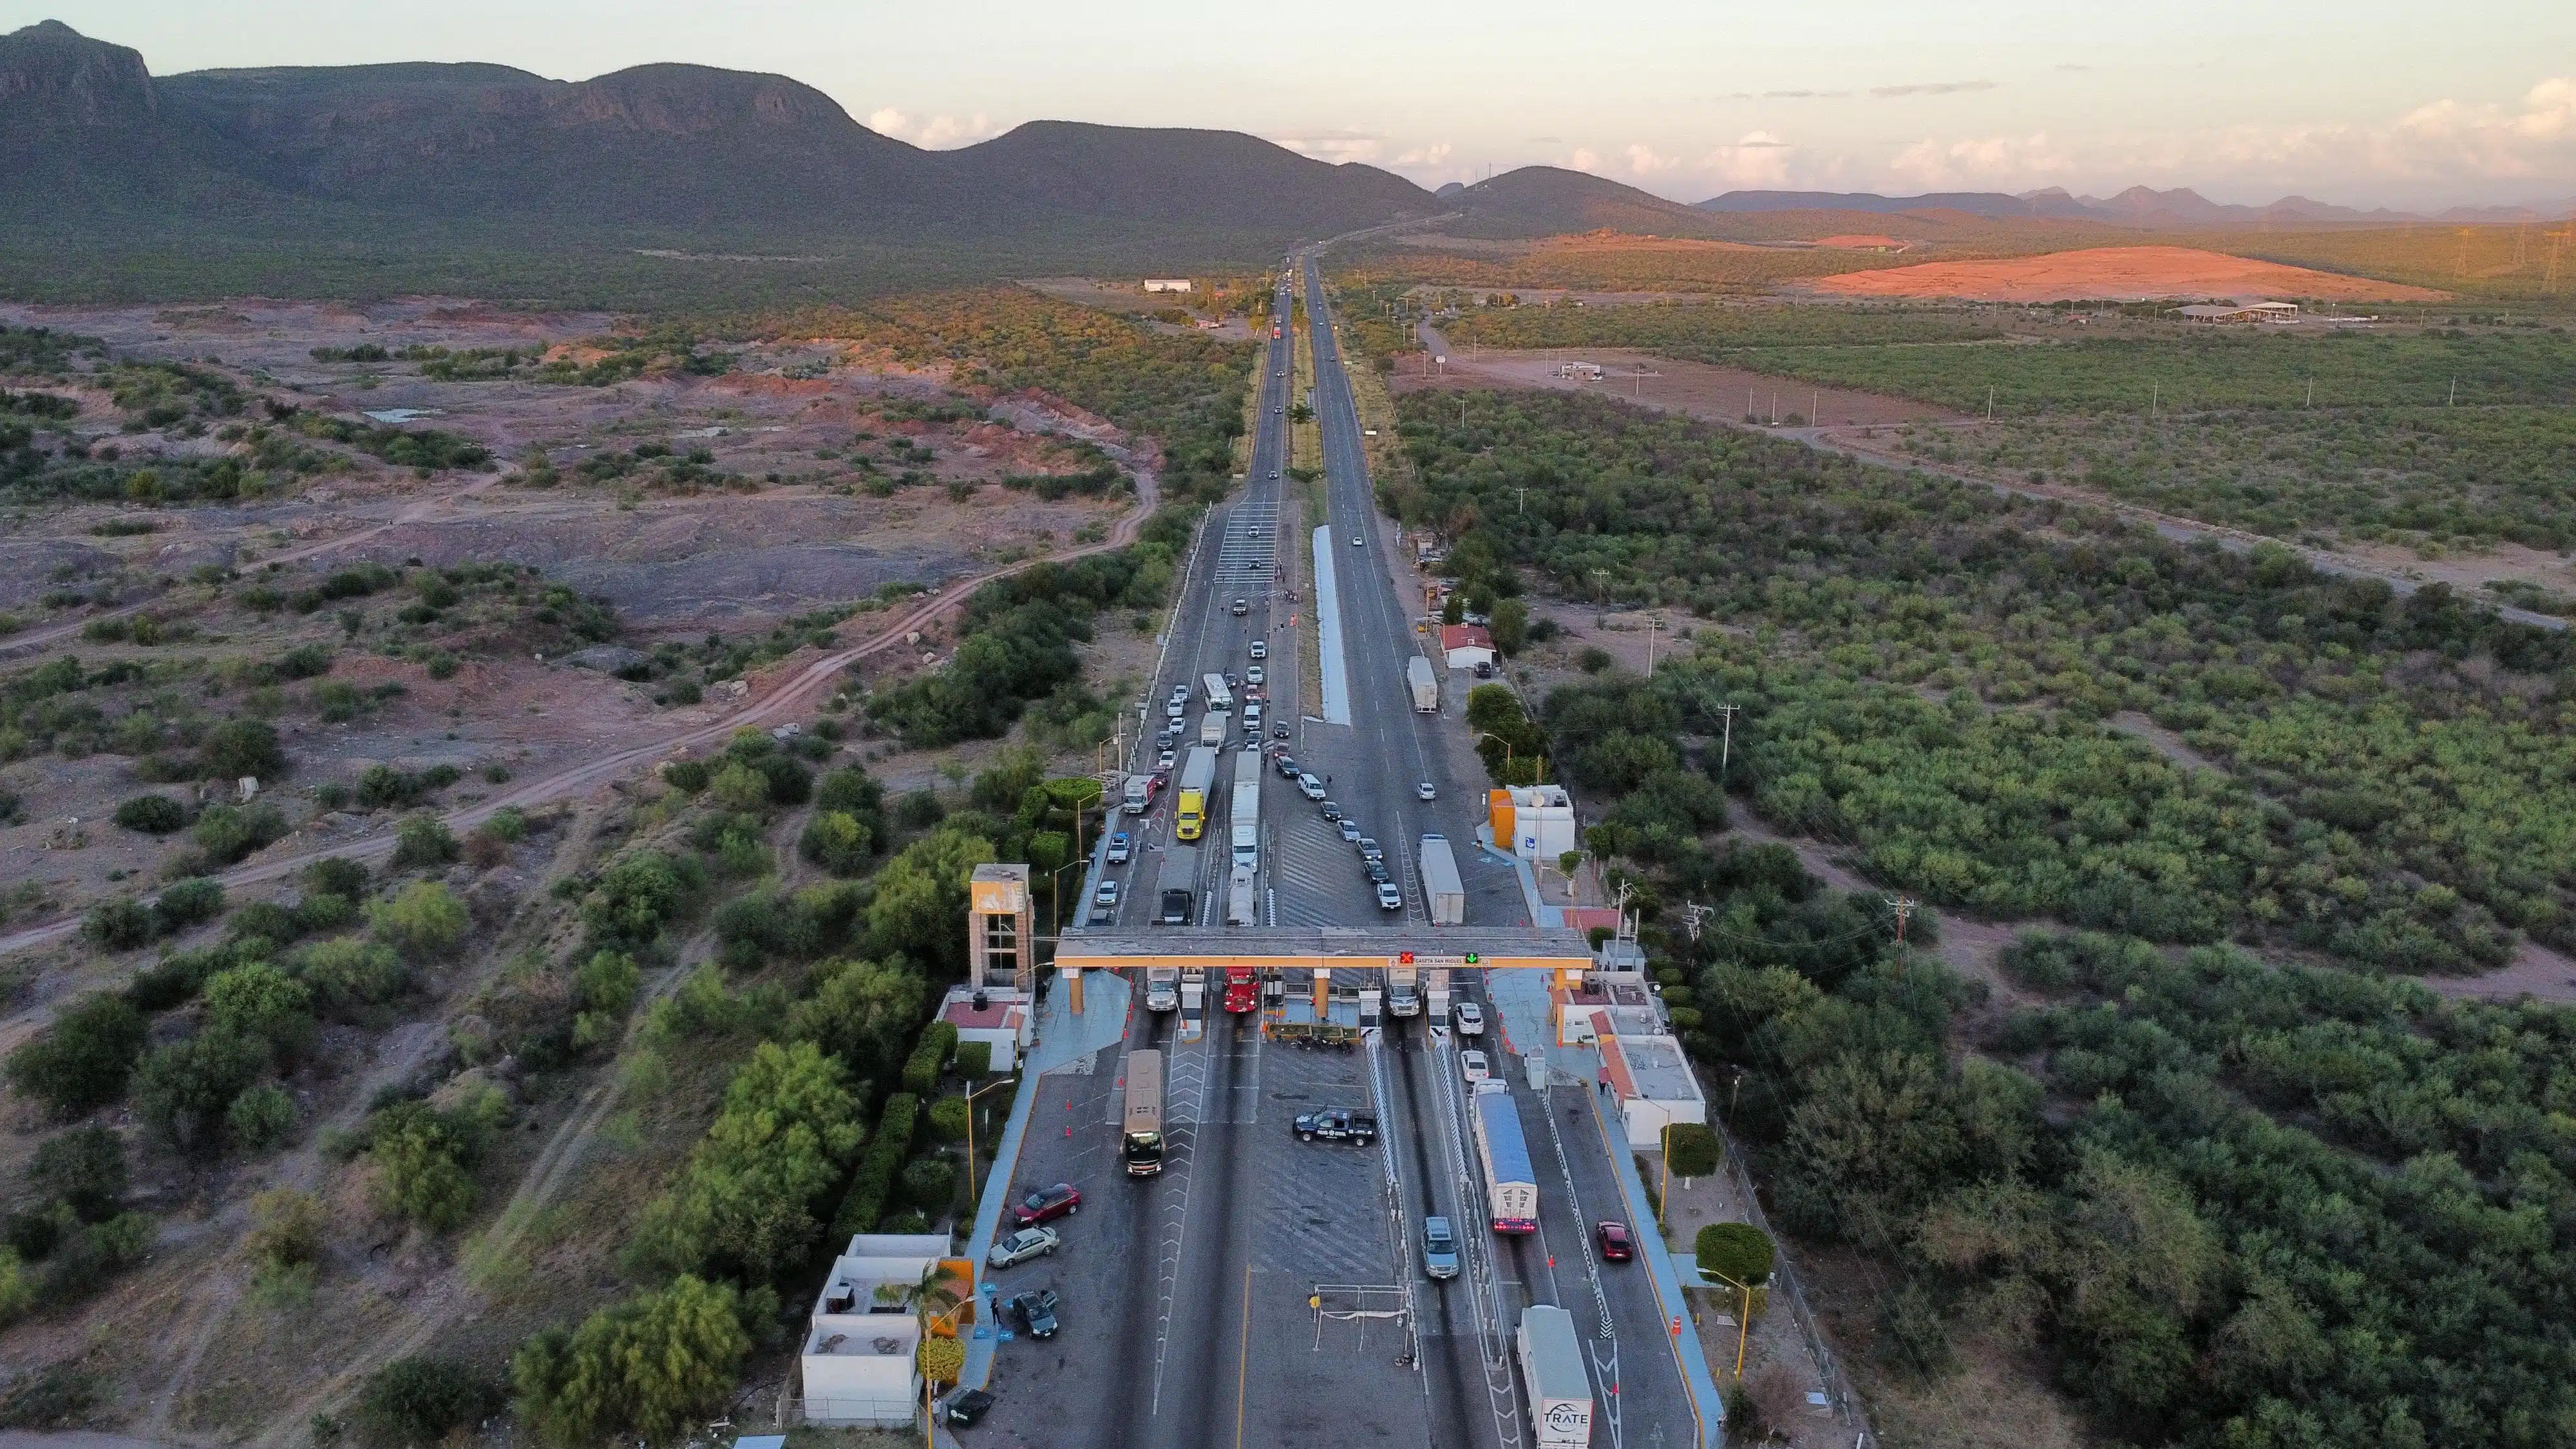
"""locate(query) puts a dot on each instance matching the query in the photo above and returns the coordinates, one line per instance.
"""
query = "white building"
(1537, 820)
(1167, 284)
(1653, 1083)
(994, 1015)
(1466, 645)
(862, 1344)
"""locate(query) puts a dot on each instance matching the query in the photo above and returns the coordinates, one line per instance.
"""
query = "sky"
(2359, 102)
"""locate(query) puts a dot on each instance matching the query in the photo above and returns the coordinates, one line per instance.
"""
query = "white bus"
(1142, 1143)
(1219, 694)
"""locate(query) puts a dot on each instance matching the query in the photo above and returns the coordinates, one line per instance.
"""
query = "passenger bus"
(1142, 1144)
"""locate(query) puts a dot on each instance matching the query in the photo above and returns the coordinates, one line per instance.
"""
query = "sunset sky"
(2360, 102)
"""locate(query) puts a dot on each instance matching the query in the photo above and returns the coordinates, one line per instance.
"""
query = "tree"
(240, 747)
(421, 1156)
(1740, 1252)
(84, 1168)
(261, 1118)
(650, 1366)
(423, 920)
(84, 1059)
(184, 1089)
(1873, 1134)
(422, 840)
(861, 1012)
(1693, 1150)
(639, 892)
(416, 1402)
(745, 1201)
(152, 814)
(350, 971)
(836, 841)
(258, 1001)
(921, 896)
(1508, 623)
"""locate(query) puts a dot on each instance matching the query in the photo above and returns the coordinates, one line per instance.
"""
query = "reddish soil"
(1863, 243)
(2125, 272)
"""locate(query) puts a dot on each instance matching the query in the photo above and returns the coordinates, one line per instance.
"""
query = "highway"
(1189, 1296)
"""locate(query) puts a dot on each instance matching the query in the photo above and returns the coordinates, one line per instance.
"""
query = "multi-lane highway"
(1260, 1290)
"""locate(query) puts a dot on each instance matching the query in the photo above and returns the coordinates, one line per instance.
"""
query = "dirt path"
(790, 696)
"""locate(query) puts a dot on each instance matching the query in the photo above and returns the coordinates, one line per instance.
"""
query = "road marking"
(1243, 1356)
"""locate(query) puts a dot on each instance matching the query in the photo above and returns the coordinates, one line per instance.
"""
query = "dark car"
(1036, 1310)
(965, 1406)
(1337, 1124)
(1287, 768)
(1176, 908)
(1615, 1246)
(1046, 1205)
(1279, 731)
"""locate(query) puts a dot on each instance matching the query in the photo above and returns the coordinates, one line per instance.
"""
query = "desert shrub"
(336, 875)
(118, 924)
(837, 842)
(921, 1070)
(17, 1286)
(637, 895)
(1740, 1251)
(744, 1202)
(686, 776)
(930, 1183)
(183, 1090)
(412, 1403)
(83, 1168)
(350, 971)
(1912, 1339)
(258, 1001)
(785, 782)
(738, 788)
(152, 814)
(1694, 1150)
(382, 787)
(226, 833)
(84, 1261)
(423, 920)
(182, 904)
(948, 1120)
(264, 921)
(286, 1228)
(238, 747)
(423, 1159)
(650, 1366)
(85, 1058)
(422, 840)
(919, 810)
(974, 1059)
(179, 975)
(261, 1118)
(861, 1011)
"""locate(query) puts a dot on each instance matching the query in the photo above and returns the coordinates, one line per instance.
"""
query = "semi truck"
(1426, 687)
(1243, 810)
(1220, 695)
(1213, 726)
(1198, 776)
(1503, 1160)
(1242, 989)
(1441, 888)
(1403, 991)
(1193, 989)
(1242, 902)
(1560, 1392)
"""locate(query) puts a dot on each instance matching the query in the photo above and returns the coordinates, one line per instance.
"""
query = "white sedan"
(1472, 1066)
(1471, 1019)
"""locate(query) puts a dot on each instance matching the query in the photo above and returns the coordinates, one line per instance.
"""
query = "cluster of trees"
(1017, 645)
(1936, 677)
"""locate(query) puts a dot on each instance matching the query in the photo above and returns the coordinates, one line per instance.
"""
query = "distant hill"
(1975, 203)
(1537, 201)
(2138, 206)
(92, 145)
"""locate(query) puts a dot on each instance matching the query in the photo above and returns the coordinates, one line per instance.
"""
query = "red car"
(1046, 1205)
(1615, 1246)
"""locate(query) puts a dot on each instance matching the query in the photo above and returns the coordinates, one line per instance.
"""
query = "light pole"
(1743, 1321)
(1663, 1191)
(970, 1130)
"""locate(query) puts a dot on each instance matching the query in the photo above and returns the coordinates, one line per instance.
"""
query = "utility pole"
(1904, 908)
(1653, 624)
(1524, 501)
(1726, 741)
(1694, 913)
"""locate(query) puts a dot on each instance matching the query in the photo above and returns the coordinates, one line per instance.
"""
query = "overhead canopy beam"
(1217, 948)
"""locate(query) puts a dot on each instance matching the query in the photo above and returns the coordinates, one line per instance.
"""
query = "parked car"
(1337, 1124)
(1310, 787)
(1614, 1242)
(964, 1406)
(1425, 791)
(1439, 1249)
(1119, 848)
(1036, 1310)
(1388, 897)
(1471, 1018)
(1473, 1066)
(1023, 1245)
(1260, 648)
(1047, 1204)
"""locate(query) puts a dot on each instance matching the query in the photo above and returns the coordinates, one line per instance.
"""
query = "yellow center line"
(1243, 1356)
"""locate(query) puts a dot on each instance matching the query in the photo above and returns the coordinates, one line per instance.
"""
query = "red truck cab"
(1242, 989)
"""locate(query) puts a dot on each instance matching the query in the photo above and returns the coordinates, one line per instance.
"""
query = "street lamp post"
(1664, 1190)
(1743, 1321)
(970, 1130)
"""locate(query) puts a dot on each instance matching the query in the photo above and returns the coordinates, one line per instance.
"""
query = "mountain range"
(308, 177)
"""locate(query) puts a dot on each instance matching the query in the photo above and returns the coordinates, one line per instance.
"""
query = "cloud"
(2069, 65)
(1992, 160)
(1583, 159)
(1432, 155)
(1759, 160)
(1932, 88)
(1547, 140)
(1643, 160)
(1785, 96)
(1334, 146)
(936, 133)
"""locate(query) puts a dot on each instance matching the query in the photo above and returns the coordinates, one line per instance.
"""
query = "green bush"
(835, 841)
(930, 1183)
(921, 1070)
(423, 920)
(423, 1162)
(948, 1120)
(639, 893)
(239, 747)
(337, 875)
(182, 904)
(349, 972)
(865, 1202)
(152, 814)
(744, 1202)
(422, 840)
(382, 787)
(974, 1060)
(1695, 1150)
(413, 1403)
(258, 1001)
(118, 924)
(226, 833)
(184, 1089)
(261, 1118)
(1740, 1251)
(83, 1168)
(651, 1367)
(85, 1058)
(606, 982)
(686, 776)
(264, 921)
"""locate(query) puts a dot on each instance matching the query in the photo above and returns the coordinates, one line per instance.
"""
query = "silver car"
(1439, 1249)
(1023, 1245)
